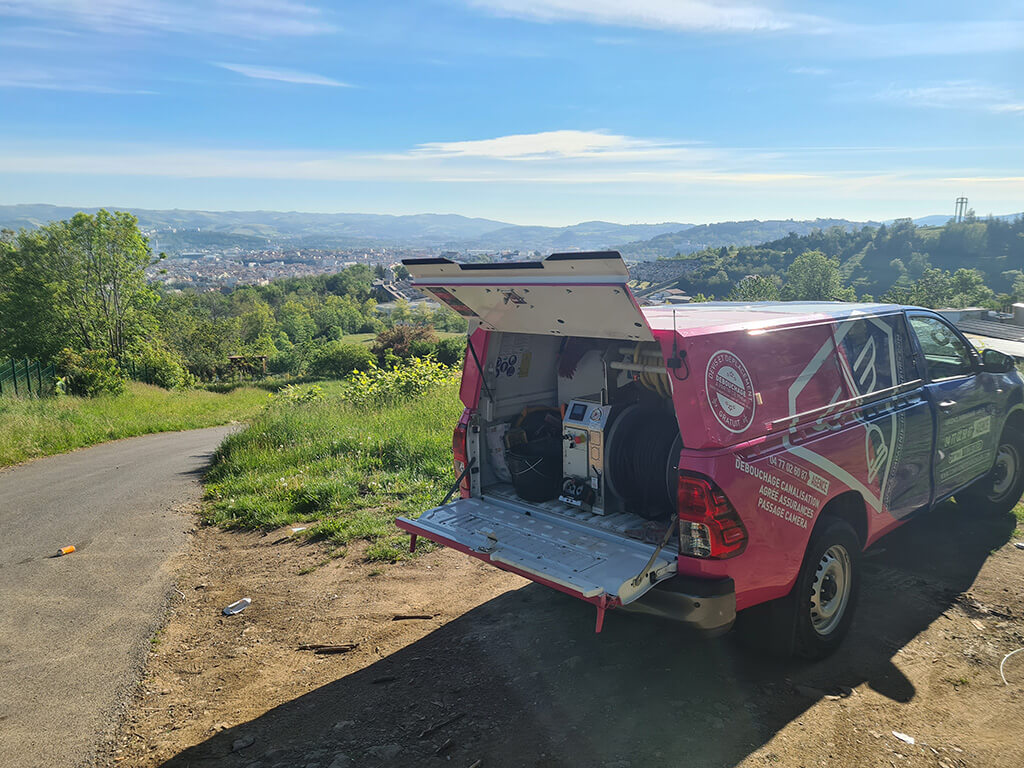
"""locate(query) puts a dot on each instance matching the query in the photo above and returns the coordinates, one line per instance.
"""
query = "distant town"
(226, 268)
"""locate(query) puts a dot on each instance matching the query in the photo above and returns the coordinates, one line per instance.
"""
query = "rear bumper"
(707, 605)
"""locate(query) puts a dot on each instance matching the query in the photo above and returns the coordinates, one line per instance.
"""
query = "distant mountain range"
(177, 231)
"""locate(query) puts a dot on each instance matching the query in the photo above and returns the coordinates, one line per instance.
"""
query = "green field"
(40, 427)
(344, 471)
(368, 338)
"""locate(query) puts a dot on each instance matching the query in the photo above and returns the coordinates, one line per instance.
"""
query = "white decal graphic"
(730, 391)
(881, 440)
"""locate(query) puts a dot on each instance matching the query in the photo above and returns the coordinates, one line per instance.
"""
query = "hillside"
(177, 230)
(588, 235)
(723, 233)
(873, 260)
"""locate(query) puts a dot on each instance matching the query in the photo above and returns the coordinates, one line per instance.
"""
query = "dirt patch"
(511, 674)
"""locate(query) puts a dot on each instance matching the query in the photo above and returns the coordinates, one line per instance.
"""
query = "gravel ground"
(511, 674)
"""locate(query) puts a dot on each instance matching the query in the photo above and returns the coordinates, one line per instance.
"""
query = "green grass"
(348, 471)
(40, 427)
(369, 338)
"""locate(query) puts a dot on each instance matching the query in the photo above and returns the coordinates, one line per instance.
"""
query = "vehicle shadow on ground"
(524, 681)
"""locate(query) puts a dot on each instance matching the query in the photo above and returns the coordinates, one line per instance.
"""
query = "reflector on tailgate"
(568, 294)
(585, 561)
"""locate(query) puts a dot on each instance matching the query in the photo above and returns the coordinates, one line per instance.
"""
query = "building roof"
(993, 330)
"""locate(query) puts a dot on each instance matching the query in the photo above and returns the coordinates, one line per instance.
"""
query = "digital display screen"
(579, 410)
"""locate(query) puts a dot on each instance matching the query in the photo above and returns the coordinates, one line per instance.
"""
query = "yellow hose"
(656, 382)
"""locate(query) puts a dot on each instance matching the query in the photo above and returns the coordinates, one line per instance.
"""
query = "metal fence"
(25, 378)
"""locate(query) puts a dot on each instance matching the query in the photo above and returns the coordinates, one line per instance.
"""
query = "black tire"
(999, 491)
(802, 623)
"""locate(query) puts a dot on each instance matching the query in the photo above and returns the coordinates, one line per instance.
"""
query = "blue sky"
(530, 111)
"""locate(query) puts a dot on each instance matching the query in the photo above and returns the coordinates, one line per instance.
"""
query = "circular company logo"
(730, 391)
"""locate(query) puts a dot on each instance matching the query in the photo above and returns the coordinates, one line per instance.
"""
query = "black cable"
(638, 459)
(480, 368)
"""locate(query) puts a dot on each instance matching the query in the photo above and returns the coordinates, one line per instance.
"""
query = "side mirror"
(994, 361)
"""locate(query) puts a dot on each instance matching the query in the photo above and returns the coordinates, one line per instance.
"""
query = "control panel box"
(583, 450)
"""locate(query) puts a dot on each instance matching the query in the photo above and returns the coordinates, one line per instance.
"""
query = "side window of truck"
(945, 354)
(878, 352)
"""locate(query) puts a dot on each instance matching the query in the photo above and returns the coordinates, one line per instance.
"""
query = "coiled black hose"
(638, 458)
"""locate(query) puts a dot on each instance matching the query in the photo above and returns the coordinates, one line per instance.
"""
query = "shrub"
(405, 341)
(451, 350)
(90, 372)
(376, 387)
(155, 364)
(293, 395)
(337, 359)
(293, 359)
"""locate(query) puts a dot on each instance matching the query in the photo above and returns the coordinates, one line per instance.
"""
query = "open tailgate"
(568, 294)
(595, 565)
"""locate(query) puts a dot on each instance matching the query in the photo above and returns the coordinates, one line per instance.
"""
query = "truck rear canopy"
(566, 294)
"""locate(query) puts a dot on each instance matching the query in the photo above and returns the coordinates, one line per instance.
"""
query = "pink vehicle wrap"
(784, 410)
(780, 415)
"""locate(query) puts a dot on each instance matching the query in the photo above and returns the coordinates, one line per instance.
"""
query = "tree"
(933, 289)
(756, 288)
(813, 276)
(296, 321)
(405, 341)
(80, 284)
(969, 289)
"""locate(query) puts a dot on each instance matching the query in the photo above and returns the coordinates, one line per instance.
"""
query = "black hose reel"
(642, 460)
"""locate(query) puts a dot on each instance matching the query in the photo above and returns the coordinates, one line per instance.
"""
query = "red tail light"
(461, 453)
(709, 525)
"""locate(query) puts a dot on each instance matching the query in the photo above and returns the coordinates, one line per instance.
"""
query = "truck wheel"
(813, 618)
(826, 589)
(999, 491)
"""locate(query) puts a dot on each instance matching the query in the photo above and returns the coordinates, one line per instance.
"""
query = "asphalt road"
(74, 630)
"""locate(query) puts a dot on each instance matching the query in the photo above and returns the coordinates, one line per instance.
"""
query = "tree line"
(76, 291)
(970, 263)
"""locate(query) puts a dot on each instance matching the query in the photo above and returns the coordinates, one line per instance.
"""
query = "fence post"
(14, 371)
(28, 379)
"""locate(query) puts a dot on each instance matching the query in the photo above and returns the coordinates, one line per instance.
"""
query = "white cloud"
(547, 144)
(814, 71)
(579, 160)
(282, 75)
(708, 15)
(237, 18)
(954, 94)
(828, 36)
(61, 80)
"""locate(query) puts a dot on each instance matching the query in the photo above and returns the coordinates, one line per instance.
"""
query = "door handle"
(947, 404)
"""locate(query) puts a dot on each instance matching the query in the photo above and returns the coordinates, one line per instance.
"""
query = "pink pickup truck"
(707, 460)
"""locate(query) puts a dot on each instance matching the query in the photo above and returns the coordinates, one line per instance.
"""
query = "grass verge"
(41, 427)
(349, 471)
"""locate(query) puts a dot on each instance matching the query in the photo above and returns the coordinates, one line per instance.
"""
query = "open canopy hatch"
(566, 294)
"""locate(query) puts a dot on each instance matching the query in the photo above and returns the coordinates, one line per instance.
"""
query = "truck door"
(877, 358)
(964, 438)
